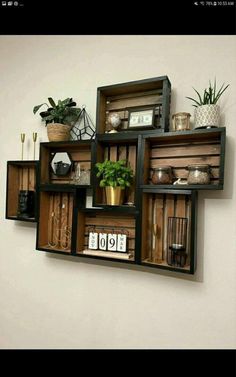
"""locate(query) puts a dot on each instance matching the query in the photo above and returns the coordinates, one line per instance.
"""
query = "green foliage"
(114, 173)
(63, 112)
(210, 96)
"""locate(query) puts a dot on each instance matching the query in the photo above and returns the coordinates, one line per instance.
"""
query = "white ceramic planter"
(207, 115)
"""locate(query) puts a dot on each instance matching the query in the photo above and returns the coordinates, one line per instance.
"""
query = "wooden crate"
(119, 98)
(79, 151)
(21, 175)
(103, 221)
(158, 206)
(114, 150)
(180, 149)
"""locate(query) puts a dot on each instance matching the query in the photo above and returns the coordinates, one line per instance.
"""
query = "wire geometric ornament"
(84, 128)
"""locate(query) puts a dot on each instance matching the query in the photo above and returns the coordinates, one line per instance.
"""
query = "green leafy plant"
(210, 96)
(63, 112)
(114, 173)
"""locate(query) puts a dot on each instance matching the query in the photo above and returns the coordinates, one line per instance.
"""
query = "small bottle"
(199, 174)
(162, 175)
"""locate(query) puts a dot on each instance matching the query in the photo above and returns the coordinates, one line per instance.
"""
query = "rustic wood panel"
(57, 219)
(132, 162)
(13, 189)
(32, 178)
(122, 152)
(184, 161)
(110, 221)
(160, 207)
(44, 217)
(133, 102)
(185, 150)
(80, 155)
(159, 229)
(180, 207)
(113, 153)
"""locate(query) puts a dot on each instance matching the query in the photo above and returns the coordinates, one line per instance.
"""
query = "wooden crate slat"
(159, 208)
(110, 221)
(132, 161)
(185, 150)
(185, 161)
(31, 183)
(180, 208)
(113, 153)
(119, 104)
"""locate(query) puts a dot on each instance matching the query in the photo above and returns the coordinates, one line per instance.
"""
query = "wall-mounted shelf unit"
(160, 225)
(21, 176)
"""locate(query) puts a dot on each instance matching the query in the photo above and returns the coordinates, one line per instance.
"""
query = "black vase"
(26, 203)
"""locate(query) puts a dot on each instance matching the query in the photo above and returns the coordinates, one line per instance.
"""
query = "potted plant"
(207, 112)
(59, 118)
(115, 177)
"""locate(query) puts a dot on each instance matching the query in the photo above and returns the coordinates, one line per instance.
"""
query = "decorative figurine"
(114, 121)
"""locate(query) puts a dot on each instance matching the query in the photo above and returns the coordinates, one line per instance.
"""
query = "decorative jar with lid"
(199, 174)
(162, 175)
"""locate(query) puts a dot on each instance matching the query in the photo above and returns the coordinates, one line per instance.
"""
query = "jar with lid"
(181, 121)
(162, 175)
(199, 174)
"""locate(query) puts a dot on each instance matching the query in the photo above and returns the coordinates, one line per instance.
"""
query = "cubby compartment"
(114, 149)
(169, 229)
(122, 98)
(21, 181)
(181, 149)
(102, 224)
(69, 157)
(55, 221)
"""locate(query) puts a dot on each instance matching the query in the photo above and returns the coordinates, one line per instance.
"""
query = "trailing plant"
(210, 96)
(114, 173)
(63, 112)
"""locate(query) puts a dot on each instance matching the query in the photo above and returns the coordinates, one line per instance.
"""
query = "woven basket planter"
(58, 132)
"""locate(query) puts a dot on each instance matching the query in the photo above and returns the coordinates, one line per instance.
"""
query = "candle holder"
(22, 137)
(34, 141)
(177, 238)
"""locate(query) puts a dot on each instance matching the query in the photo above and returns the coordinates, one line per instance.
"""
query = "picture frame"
(141, 118)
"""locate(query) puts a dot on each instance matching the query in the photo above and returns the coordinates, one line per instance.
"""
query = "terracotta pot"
(207, 116)
(58, 132)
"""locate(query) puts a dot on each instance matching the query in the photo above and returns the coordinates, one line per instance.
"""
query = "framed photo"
(141, 118)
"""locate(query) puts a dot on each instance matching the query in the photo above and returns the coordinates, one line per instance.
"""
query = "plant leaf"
(52, 103)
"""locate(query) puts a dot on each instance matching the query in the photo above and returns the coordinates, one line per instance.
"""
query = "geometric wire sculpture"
(83, 128)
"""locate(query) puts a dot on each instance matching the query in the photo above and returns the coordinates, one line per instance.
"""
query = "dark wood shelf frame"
(154, 92)
(21, 175)
(180, 149)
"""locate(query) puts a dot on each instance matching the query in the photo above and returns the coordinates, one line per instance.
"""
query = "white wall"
(49, 301)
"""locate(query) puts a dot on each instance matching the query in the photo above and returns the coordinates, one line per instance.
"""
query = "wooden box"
(180, 149)
(121, 98)
(116, 148)
(21, 175)
(100, 221)
(158, 207)
(79, 152)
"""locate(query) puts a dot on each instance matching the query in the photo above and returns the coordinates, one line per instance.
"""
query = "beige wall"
(49, 301)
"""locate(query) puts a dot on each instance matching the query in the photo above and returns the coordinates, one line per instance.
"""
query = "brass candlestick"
(34, 140)
(22, 137)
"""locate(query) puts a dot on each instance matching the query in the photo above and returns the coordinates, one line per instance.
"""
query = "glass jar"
(162, 175)
(181, 121)
(199, 174)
